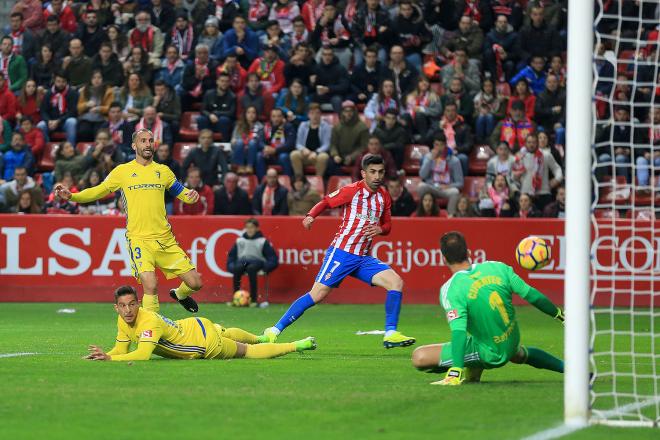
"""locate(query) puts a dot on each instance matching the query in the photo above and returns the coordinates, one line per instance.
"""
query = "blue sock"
(392, 309)
(295, 311)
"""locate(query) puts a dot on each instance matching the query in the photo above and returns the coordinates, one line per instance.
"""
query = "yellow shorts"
(167, 255)
(217, 346)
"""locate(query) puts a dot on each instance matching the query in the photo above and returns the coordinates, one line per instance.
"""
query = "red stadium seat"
(337, 182)
(180, 151)
(625, 62)
(412, 158)
(316, 183)
(47, 161)
(444, 213)
(472, 186)
(617, 191)
(478, 160)
(248, 183)
(645, 214)
(84, 147)
(188, 130)
(645, 198)
(57, 136)
(606, 214)
(411, 184)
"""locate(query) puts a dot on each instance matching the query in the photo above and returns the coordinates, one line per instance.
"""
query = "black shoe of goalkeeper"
(187, 303)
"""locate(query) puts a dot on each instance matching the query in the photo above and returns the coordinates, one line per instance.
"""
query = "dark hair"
(114, 104)
(300, 100)
(221, 74)
(53, 19)
(298, 19)
(7, 37)
(252, 221)
(453, 247)
(159, 82)
(61, 74)
(371, 159)
(435, 209)
(270, 23)
(16, 14)
(372, 49)
(123, 291)
(440, 137)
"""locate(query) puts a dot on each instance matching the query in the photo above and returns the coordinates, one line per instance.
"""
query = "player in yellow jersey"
(151, 242)
(190, 338)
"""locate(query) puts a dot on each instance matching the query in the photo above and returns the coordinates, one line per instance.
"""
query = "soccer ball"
(241, 298)
(533, 253)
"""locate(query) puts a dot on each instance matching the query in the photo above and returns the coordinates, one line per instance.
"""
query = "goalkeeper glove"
(560, 315)
(454, 377)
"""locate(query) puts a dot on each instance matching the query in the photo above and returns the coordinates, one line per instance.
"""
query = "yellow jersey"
(143, 193)
(153, 333)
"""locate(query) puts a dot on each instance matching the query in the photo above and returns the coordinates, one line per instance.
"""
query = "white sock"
(275, 330)
(389, 332)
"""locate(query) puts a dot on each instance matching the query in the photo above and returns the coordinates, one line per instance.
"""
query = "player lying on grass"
(190, 338)
(482, 319)
(151, 243)
(366, 215)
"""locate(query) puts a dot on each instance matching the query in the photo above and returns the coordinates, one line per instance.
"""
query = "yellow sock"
(150, 302)
(240, 335)
(267, 351)
(183, 291)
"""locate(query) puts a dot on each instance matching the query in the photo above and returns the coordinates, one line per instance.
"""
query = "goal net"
(625, 256)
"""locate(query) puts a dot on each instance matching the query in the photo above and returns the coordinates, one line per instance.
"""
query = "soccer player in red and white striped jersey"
(366, 214)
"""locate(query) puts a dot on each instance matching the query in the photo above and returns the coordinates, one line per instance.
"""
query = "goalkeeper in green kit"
(482, 319)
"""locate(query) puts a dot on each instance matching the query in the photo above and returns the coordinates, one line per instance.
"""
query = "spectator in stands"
(19, 155)
(103, 206)
(301, 65)
(231, 199)
(293, 102)
(12, 66)
(557, 209)
(209, 158)
(198, 78)
(8, 105)
(257, 15)
(349, 137)
(465, 208)
(171, 70)
(422, 106)
(400, 71)
(468, 37)
(253, 96)
(64, 13)
(27, 204)
(91, 34)
(33, 137)
(522, 93)
(69, 160)
(137, 62)
(120, 43)
(302, 197)
(496, 197)
(457, 134)
(537, 38)
(651, 155)
(162, 14)
(284, 11)
(237, 74)
(385, 99)
(251, 254)
(161, 129)
(164, 156)
(219, 108)
(558, 69)
(270, 70)
(365, 77)
(134, 97)
(526, 208)
(533, 172)
(241, 41)
(312, 143)
(370, 27)
(246, 141)
(278, 141)
(441, 173)
(204, 206)
(108, 64)
(510, 9)
(557, 151)
(168, 106)
(56, 38)
(57, 205)
(43, 70)
(32, 12)
(403, 204)
(24, 40)
(182, 36)
(534, 74)
(332, 31)
(501, 163)
(458, 95)
(310, 13)
(393, 136)
(488, 106)
(102, 9)
(374, 146)
(276, 38)
(148, 37)
(300, 34)
(58, 109)
(120, 130)
(616, 136)
(93, 105)
(5, 135)
(270, 198)
(212, 37)
(550, 109)
(10, 191)
(514, 128)
(226, 13)
(410, 31)
(459, 67)
(428, 206)
(501, 50)
(330, 80)
(77, 66)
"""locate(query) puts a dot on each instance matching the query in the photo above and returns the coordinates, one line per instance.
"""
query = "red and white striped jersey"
(362, 207)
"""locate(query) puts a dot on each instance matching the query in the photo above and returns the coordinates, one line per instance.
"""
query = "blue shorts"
(339, 264)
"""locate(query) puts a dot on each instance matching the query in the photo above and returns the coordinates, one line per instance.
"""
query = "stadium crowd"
(264, 106)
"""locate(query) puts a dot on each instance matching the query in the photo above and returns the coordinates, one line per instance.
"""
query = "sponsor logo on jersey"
(146, 334)
(134, 175)
(452, 314)
(146, 186)
(334, 193)
(157, 174)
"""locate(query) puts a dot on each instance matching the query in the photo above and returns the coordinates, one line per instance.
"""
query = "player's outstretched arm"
(535, 298)
(141, 353)
(187, 196)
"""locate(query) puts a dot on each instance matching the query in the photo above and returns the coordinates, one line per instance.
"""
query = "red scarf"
(498, 198)
(4, 67)
(654, 134)
(197, 91)
(58, 99)
(448, 129)
(537, 178)
(512, 131)
(274, 138)
(386, 104)
(370, 29)
(116, 134)
(315, 12)
(350, 10)
(472, 10)
(17, 37)
(441, 173)
(498, 63)
(418, 101)
(156, 128)
(247, 137)
(143, 39)
(257, 11)
(268, 201)
(183, 41)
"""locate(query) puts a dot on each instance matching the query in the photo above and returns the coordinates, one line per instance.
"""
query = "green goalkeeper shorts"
(479, 355)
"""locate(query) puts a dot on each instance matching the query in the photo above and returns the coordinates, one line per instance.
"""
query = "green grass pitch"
(350, 387)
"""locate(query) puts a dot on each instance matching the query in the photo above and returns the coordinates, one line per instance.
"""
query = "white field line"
(11, 355)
